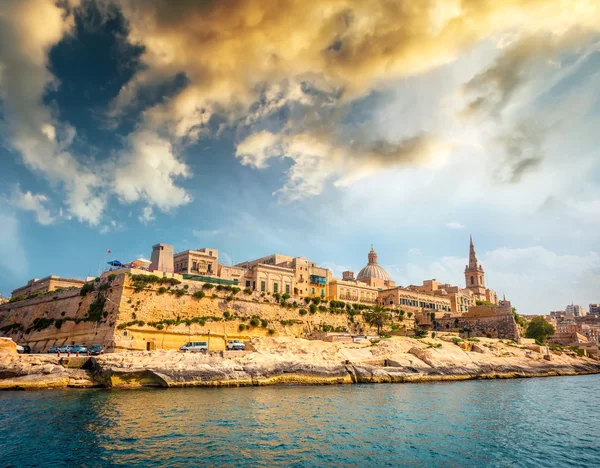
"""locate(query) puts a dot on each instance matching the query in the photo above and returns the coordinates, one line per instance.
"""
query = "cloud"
(146, 171)
(318, 157)
(454, 225)
(31, 128)
(33, 202)
(284, 71)
(147, 215)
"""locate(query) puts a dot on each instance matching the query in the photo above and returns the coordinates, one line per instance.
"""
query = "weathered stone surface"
(292, 361)
(7, 346)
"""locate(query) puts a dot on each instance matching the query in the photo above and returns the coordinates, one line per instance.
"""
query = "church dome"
(373, 270)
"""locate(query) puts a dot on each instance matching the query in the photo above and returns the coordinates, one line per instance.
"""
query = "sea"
(537, 422)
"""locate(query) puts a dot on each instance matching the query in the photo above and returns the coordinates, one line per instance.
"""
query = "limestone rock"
(7, 346)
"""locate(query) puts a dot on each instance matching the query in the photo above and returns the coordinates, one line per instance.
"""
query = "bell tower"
(474, 275)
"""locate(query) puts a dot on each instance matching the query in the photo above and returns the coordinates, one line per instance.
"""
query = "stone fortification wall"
(63, 317)
(133, 315)
(494, 326)
(151, 319)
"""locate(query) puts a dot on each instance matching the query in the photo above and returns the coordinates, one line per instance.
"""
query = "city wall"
(152, 318)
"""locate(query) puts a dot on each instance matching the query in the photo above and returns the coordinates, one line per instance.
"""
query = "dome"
(373, 270)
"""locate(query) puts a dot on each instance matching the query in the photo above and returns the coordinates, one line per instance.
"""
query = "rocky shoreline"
(285, 361)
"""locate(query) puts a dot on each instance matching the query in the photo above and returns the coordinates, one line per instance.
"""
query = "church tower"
(474, 275)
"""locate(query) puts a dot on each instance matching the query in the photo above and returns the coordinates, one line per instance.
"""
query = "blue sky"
(261, 127)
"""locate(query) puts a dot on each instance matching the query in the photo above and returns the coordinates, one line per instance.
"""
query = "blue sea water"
(522, 423)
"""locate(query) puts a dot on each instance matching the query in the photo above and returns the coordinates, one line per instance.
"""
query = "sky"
(307, 128)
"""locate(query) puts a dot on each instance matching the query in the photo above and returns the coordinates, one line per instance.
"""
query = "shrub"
(10, 328)
(254, 321)
(432, 334)
(95, 310)
(111, 277)
(248, 291)
(141, 323)
(322, 308)
(316, 300)
(86, 288)
(207, 286)
(186, 286)
(229, 298)
(121, 326)
(220, 287)
(160, 326)
(179, 292)
(286, 296)
(242, 327)
(62, 314)
(302, 311)
(307, 299)
(235, 290)
(162, 290)
(271, 331)
(277, 296)
(313, 309)
(198, 295)
(264, 323)
(227, 315)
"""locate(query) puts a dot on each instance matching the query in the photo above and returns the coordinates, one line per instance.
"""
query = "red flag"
(108, 251)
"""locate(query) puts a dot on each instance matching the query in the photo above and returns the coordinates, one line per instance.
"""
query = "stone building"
(49, 283)
(162, 258)
(595, 309)
(201, 262)
(268, 278)
(352, 291)
(460, 299)
(414, 300)
(374, 275)
(308, 279)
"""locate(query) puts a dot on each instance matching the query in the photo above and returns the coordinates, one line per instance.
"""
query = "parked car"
(20, 349)
(235, 345)
(64, 348)
(53, 350)
(195, 347)
(79, 349)
(26, 349)
(96, 350)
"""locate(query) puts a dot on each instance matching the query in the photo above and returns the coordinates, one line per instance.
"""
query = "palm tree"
(377, 317)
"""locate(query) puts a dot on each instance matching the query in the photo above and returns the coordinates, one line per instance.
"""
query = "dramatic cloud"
(247, 60)
(146, 172)
(28, 30)
(318, 157)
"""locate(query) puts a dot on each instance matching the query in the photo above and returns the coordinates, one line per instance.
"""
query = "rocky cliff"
(295, 361)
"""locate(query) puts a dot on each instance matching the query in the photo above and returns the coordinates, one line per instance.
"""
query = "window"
(313, 291)
(248, 283)
(210, 253)
(322, 293)
(194, 265)
(262, 286)
(472, 280)
(275, 287)
(287, 288)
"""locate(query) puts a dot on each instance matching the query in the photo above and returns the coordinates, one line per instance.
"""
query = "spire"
(472, 255)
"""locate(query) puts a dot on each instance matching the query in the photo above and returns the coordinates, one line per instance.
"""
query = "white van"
(195, 347)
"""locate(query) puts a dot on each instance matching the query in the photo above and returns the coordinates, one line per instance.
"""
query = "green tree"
(539, 328)
(377, 317)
